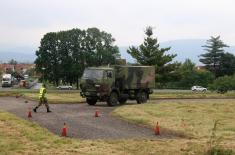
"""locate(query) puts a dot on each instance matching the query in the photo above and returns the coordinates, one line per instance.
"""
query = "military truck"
(117, 84)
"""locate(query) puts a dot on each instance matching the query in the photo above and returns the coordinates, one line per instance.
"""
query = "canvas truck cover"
(135, 77)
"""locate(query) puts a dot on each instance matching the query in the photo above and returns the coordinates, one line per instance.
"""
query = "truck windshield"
(93, 74)
(5, 79)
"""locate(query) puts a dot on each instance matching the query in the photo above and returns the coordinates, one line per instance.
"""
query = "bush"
(220, 151)
(223, 84)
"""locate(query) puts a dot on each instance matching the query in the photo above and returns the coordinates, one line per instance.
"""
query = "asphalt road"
(79, 119)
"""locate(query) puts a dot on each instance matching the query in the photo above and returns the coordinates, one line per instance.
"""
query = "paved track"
(80, 120)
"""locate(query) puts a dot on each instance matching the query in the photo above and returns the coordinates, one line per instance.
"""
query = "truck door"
(109, 78)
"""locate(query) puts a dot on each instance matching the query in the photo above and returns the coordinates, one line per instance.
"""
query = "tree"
(190, 76)
(187, 66)
(13, 62)
(227, 64)
(99, 48)
(150, 53)
(48, 60)
(223, 84)
(203, 78)
(65, 54)
(78, 54)
(212, 57)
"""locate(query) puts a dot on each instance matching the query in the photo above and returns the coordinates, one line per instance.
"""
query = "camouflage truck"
(117, 84)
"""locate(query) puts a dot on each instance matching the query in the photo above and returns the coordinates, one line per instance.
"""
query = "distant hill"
(20, 54)
(189, 48)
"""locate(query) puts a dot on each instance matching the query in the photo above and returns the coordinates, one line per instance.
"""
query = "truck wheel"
(141, 97)
(91, 101)
(122, 100)
(113, 99)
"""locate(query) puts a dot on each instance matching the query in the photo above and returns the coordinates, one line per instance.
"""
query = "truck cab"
(96, 83)
(7, 80)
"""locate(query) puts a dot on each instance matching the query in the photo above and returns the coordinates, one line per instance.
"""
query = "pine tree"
(212, 58)
(150, 53)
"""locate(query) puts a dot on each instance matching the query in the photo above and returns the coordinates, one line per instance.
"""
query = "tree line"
(64, 55)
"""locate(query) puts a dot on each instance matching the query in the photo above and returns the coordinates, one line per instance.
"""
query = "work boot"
(48, 110)
(35, 109)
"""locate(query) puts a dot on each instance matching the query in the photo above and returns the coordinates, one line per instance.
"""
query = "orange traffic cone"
(157, 129)
(64, 131)
(96, 113)
(30, 113)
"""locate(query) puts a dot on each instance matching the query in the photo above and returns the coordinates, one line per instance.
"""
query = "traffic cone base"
(30, 113)
(64, 131)
(96, 113)
(157, 129)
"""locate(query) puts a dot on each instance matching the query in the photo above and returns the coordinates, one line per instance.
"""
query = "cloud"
(26, 21)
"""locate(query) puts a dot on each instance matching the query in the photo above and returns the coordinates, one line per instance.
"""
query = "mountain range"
(188, 48)
(24, 54)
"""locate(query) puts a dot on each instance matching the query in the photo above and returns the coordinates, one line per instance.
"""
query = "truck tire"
(91, 101)
(141, 97)
(122, 100)
(113, 99)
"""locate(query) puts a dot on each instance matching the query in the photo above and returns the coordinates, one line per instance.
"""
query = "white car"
(198, 88)
(65, 87)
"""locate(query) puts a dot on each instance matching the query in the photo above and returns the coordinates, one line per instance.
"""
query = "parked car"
(198, 88)
(26, 76)
(65, 87)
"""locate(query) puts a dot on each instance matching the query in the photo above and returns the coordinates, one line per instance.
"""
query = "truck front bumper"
(6, 85)
(90, 94)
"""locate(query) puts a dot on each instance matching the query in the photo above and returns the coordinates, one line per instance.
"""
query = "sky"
(24, 22)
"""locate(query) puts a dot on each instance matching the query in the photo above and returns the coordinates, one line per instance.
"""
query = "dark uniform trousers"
(43, 100)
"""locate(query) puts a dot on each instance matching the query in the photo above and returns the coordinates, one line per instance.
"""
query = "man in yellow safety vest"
(42, 98)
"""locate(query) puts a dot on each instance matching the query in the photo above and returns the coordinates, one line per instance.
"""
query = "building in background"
(19, 68)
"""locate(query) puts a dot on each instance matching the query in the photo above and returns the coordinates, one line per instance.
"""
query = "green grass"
(162, 95)
(13, 94)
(18, 136)
(186, 119)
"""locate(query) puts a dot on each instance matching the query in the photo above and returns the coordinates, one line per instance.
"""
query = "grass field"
(187, 119)
(19, 136)
(162, 95)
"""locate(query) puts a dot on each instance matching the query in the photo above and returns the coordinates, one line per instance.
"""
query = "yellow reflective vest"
(42, 92)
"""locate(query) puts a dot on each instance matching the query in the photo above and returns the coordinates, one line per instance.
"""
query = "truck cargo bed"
(135, 77)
